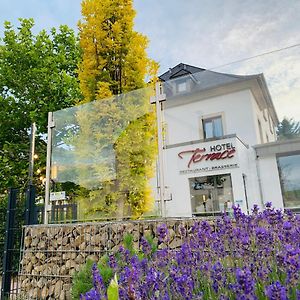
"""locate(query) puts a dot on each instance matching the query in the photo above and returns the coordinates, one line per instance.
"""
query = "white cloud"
(204, 33)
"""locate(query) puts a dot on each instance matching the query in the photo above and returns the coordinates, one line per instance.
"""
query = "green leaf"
(113, 289)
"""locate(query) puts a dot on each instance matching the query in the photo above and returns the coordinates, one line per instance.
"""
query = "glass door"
(211, 194)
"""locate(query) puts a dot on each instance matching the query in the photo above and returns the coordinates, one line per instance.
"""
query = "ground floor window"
(289, 173)
(211, 194)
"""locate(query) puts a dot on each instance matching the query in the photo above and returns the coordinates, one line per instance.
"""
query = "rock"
(40, 255)
(93, 257)
(55, 270)
(175, 243)
(41, 282)
(62, 295)
(58, 289)
(95, 240)
(65, 240)
(63, 270)
(34, 242)
(41, 245)
(51, 289)
(78, 240)
(28, 268)
(27, 241)
(44, 293)
(39, 268)
(79, 259)
(70, 264)
(82, 246)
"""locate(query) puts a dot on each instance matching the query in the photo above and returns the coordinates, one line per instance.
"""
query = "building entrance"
(211, 194)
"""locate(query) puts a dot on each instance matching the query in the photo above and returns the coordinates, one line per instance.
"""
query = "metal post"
(30, 213)
(159, 97)
(32, 152)
(48, 166)
(8, 245)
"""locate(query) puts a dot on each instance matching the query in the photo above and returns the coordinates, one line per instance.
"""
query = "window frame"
(211, 117)
(278, 156)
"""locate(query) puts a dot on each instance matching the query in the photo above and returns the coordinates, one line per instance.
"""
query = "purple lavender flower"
(255, 209)
(217, 275)
(254, 248)
(146, 247)
(237, 212)
(112, 261)
(162, 232)
(99, 290)
(287, 225)
(276, 291)
(245, 282)
(268, 204)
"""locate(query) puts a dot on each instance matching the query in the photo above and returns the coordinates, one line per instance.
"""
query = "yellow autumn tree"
(122, 124)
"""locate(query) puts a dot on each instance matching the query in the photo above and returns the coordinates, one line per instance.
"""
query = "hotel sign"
(210, 157)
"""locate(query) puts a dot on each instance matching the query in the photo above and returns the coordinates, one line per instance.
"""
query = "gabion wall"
(53, 253)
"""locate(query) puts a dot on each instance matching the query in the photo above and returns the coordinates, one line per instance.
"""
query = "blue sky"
(204, 33)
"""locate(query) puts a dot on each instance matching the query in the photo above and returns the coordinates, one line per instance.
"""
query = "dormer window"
(181, 86)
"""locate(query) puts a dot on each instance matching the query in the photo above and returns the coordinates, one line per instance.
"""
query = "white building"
(220, 144)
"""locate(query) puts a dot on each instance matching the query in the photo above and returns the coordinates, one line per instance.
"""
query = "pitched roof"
(178, 71)
(207, 80)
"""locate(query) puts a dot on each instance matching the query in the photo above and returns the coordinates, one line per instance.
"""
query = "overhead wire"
(255, 56)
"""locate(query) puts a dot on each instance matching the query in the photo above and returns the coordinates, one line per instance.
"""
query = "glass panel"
(208, 129)
(104, 154)
(289, 171)
(218, 128)
(224, 192)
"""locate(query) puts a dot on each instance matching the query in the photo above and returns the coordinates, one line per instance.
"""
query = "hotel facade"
(220, 145)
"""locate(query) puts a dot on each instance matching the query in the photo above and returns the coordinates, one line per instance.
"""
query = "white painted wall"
(264, 118)
(184, 121)
(270, 180)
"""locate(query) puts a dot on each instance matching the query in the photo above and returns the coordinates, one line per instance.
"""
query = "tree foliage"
(37, 75)
(114, 61)
(288, 129)
(114, 55)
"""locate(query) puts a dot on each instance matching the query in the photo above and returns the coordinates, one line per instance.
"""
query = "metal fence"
(17, 209)
(12, 220)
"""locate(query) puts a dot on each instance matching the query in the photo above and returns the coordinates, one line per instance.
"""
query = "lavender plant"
(247, 257)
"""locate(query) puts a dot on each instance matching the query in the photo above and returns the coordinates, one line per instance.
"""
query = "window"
(289, 174)
(211, 194)
(181, 86)
(212, 127)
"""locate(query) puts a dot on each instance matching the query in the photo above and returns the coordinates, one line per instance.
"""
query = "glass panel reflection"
(103, 156)
(289, 172)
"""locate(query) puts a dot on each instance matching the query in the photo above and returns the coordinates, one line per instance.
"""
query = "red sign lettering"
(197, 155)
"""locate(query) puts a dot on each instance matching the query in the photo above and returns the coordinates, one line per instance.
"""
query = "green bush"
(82, 280)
